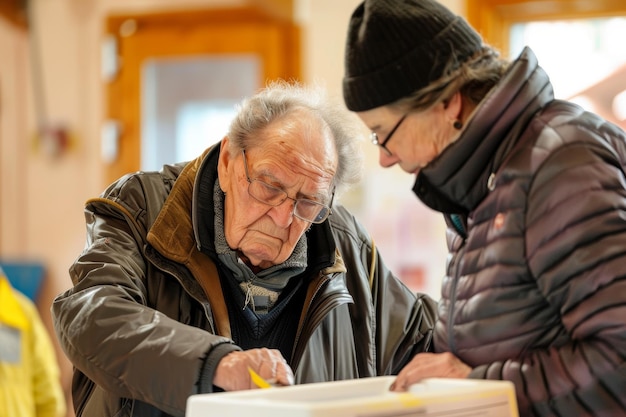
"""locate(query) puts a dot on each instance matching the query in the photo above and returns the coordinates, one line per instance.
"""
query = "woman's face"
(417, 139)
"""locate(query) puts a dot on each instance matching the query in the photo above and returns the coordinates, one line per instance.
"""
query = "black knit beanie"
(396, 47)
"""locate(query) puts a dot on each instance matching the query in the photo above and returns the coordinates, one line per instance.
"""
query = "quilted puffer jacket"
(534, 193)
(146, 322)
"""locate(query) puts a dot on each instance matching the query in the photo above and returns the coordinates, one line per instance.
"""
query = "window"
(578, 43)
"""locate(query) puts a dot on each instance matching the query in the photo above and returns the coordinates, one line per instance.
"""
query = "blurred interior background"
(92, 89)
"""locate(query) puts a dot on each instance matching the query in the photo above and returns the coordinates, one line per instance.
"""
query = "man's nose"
(283, 213)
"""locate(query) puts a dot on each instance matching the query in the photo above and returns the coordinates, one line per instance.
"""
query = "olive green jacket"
(145, 322)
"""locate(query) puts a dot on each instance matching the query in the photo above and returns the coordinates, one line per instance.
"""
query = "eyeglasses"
(304, 209)
(374, 136)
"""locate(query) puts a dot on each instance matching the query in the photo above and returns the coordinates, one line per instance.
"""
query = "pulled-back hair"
(474, 78)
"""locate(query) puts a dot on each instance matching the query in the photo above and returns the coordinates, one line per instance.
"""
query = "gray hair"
(281, 99)
(473, 78)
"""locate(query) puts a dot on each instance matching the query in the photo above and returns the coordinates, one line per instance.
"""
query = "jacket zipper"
(460, 227)
(451, 341)
(315, 311)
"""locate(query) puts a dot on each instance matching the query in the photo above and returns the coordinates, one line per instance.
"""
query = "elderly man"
(238, 260)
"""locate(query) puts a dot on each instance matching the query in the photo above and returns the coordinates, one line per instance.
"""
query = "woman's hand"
(232, 372)
(430, 365)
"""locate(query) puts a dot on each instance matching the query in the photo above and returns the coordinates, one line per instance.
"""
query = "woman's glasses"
(383, 144)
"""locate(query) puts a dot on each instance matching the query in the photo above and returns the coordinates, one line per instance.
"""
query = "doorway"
(178, 76)
(577, 42)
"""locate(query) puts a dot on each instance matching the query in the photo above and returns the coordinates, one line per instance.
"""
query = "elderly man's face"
(299, 161)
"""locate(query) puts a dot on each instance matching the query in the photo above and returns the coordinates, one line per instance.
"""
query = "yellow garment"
(29, 372)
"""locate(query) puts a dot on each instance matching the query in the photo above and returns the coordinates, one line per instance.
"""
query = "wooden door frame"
(494, 18)
(15, 11)
(123, 102)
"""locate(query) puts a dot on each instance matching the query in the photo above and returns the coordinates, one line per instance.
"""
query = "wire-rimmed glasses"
(383, 144)
(304, 209)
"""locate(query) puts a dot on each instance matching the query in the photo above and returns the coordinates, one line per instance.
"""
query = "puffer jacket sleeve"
(392, 320)
(104, 323)
(576, 251)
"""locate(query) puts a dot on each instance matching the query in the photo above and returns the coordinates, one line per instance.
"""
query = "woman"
(533, 191)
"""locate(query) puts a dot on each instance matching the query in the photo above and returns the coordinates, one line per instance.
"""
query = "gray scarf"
(268, 282)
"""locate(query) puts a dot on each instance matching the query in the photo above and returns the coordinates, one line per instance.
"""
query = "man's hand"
(430, 365)
(232, 371)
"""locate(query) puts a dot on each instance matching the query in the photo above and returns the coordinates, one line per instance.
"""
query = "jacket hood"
(456, 181)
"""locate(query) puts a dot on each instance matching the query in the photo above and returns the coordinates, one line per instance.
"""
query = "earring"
(458, 125)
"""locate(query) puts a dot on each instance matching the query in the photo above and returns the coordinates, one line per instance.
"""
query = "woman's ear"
(454, 106)
(223, 163)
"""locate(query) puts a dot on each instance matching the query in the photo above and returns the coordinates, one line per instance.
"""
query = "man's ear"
(223, 163)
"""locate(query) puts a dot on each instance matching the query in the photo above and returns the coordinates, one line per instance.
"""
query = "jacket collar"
(185, 223)
(171, 234)
(456, 181)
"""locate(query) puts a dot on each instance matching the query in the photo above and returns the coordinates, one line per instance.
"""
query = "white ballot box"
(367, 397)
